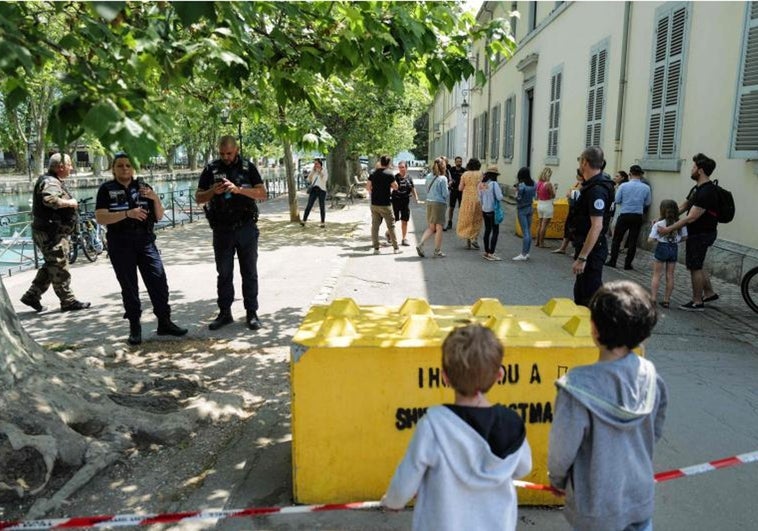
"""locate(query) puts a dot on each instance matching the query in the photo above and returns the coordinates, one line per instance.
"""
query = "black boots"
(224, 318)
(33, 303)
(253, 323)
(135, 332)
(74, 306)
(167, 328)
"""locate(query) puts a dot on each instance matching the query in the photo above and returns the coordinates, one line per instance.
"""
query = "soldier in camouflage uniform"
(54, 218)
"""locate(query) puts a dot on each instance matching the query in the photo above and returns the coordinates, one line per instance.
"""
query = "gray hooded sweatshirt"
(460, 483)
(607, 418)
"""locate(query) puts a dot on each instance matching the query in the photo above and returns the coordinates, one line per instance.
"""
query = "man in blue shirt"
(632, 198)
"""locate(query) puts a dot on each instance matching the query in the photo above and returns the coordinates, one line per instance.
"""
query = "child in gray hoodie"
(463, 457)
(607, 418)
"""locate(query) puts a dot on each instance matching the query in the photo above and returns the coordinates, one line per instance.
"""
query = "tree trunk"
(290, 170)
(337, 162)
(58, 410)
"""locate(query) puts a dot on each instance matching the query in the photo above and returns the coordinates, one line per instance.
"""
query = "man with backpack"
(703, 212)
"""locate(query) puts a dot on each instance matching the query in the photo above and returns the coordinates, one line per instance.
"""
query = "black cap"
(636, 170)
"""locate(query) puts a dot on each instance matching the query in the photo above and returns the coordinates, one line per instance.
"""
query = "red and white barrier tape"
(125, 520)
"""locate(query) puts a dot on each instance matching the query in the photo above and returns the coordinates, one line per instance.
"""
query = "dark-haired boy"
(608, 416)
(463, 457)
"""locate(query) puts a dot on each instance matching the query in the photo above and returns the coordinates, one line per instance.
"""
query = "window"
(475, 137)
(532, 16)
(495, 132)
(555, 113)
(596, 95)
(669, 49)
(745, 129)
(482, 136)
(509, 124)
(514, 19)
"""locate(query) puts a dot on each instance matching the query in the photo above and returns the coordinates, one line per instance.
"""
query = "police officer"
(229, 187)
(130, 208)
(54, 214)
(592, 215)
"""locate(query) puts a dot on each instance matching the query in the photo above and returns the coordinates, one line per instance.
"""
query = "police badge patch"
(599, 204)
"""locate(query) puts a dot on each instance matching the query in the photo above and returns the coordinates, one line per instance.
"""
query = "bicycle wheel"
(750, 288)
(89, 246)
(73, 250)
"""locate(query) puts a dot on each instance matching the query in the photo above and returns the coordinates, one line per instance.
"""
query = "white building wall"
(565, 36)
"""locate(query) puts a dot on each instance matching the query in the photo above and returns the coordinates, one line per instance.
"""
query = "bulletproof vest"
(231, 211)
(48, 219)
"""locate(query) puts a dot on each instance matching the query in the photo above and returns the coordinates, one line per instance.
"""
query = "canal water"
(177, 196)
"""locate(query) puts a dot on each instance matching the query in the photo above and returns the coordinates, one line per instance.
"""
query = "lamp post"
(225, 120)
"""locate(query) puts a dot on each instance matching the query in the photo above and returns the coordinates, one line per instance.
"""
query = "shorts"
(696, 246)
(401, 208)
(455, 197)
(545, 209)
(435, 213)
(666, 252)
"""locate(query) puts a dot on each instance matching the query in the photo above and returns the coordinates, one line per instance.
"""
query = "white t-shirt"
(671, 237)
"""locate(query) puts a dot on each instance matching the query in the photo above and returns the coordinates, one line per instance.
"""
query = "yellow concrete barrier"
(555, 227)
(363, 376)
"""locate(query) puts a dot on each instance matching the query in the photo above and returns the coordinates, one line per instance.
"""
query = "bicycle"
(749, 286)
(88, 235)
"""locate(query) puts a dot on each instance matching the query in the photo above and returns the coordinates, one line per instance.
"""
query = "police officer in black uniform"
(130, 208)
(592, 216)
(229, 188)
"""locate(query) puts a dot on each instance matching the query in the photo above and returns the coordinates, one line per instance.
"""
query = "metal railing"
(18, 252)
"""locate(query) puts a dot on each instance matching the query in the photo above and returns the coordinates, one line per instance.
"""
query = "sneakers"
(448, 226)
(397, 251)
(521, 258)
(439, 254)
(36, 304)
(302, 223)
(168, 328)
(610, 264)
(74, 306)
(420, 251)
(628, 268)
(495, 258)
(253, 323)
(387, 235)
(224, 318)
(558, 251)
(376, 251)
(692, 307)
(135, 333)
(474, 245)
(323, 225)
(665, 304)
(405, 243)
(712, 298)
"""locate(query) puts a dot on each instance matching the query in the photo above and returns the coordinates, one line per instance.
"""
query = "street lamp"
(225, 120)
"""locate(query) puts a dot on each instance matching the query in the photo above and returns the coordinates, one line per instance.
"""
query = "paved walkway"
(299, 267)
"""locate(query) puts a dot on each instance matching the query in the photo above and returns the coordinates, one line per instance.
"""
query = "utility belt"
(223, 216)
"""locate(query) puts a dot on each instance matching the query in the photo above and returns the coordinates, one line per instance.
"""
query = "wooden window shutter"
(555, 114)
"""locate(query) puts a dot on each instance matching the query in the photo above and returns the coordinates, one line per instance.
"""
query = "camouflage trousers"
(54, 249)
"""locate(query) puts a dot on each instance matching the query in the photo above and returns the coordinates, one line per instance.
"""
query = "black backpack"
(725, 209)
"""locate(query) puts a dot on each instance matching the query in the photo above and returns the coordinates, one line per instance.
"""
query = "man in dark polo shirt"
(379, 186)
(701, 206)
(592, 215)
(455, 195)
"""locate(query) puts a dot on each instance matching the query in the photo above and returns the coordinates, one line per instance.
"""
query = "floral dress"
(470, 214)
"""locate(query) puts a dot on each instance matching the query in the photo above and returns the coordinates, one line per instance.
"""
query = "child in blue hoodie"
(608, 417)
(463, 457)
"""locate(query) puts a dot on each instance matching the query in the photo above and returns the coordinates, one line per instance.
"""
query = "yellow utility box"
(555, 227)
(363, 376)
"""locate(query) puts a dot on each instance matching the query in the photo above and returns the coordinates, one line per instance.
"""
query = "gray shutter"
(745, 142)
(666, 83)
(509, 120)
(495, 132)
(555, 114)
(596, 95)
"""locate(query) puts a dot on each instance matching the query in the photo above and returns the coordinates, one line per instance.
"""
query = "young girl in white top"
(666, 249)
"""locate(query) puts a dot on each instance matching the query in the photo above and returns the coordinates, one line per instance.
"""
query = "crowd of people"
(599, 207)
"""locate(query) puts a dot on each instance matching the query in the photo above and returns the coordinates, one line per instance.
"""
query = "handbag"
(499, 214)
